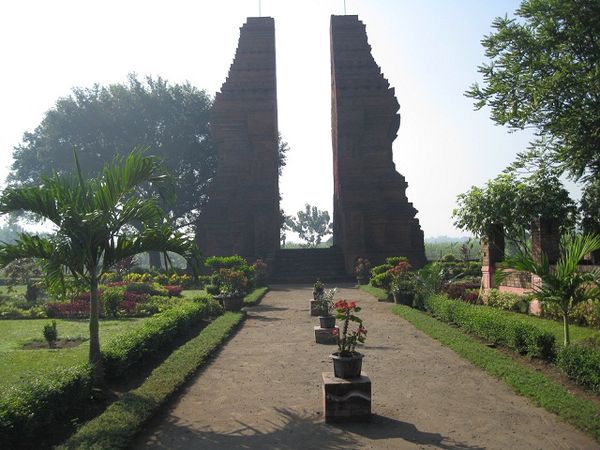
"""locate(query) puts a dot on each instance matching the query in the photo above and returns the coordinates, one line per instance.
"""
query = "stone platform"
(326, 335)
(346, 400)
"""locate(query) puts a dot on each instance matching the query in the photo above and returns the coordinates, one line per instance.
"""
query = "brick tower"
(372, 215)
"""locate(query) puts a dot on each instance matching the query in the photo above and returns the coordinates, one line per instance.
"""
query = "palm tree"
(563, 284)
(93, 220)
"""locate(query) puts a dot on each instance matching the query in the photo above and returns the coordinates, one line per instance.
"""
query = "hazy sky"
(428, 50)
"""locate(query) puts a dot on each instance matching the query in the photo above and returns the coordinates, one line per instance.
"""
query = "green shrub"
(382, 281)
(14, 312)
(50, 333)
(494, 326)
(117, 426)
(581, 363)
(155, 334)
(225, 262)
(395, 260)
(378, 270)
(41, 405)
(147, 288)
(586, 313)
(212, 289)
(157, 304)
(111, 299)
(506, 301)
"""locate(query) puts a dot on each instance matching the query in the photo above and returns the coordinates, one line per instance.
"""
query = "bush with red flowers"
(347, 341)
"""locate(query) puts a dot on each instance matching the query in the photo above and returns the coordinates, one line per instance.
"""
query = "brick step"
(308, 265)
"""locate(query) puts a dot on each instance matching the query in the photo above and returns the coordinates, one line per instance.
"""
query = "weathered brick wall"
(372, 215)
(242, 214)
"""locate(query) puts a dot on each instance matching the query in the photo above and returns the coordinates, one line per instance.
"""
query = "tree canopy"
(544, 72)
(312, 224)
(171, 120)
(514, 201)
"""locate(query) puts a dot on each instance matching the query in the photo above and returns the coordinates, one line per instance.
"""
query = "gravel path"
(263, 392)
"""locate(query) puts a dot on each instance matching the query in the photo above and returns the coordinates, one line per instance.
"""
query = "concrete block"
(346, 400)
(326, 335)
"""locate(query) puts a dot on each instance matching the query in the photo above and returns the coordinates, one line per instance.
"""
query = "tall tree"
(312, 224)
(93, 218)
(103, 121)
(544, 72)
(514, 201)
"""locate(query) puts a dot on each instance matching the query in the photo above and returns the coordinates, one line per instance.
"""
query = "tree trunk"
(95, 359)
(154, 260)
(566, 329)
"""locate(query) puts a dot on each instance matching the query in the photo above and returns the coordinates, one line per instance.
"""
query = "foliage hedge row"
(116, 427)
(43, 404)
(494, 326)
(155, 334)
(580, 361)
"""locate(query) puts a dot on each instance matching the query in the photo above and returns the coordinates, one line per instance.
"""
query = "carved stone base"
(314, 308)
(326, 335)
(346, 400)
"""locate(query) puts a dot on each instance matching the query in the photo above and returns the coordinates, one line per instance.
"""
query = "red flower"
(352, 305)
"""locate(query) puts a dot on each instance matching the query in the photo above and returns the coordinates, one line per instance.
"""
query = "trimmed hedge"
(155, 335)
(494, 326)
(116, 427)
(581, 363)
(35, 409)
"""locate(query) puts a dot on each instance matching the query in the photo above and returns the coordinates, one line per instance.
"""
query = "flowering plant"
(346, 311)
(234, 282)
(318, 289)
(325, 301)
(362, 267)
(402, 279)
(260, 272)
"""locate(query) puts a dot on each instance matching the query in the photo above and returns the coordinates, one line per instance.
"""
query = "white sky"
(428, 50)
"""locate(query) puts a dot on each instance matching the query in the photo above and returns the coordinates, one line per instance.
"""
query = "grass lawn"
(191, 293)
(378, 293)
(576, 332)
(17, 364)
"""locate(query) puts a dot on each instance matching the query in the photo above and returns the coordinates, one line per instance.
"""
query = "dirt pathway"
(263, 392)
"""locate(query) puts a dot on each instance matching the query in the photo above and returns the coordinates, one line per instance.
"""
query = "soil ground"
(263, 391)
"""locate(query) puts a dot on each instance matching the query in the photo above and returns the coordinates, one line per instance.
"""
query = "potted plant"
(362, 269)
(326, 307)
(347, 362)
(402, 285)
(318, 289)
(234, 285)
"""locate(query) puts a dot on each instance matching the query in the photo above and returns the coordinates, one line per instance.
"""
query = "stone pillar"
(372, 215)
(493, 252)
(545, 238)
(242, 213)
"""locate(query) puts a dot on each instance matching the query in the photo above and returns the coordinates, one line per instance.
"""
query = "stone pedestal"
(314, 308)
(326, 335)
(346, 400)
